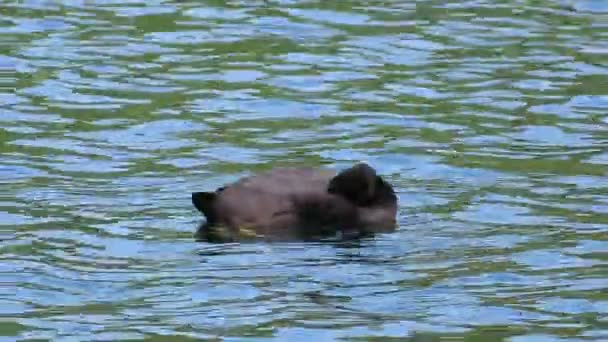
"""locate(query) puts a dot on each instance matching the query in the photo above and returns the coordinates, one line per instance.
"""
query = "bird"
(304, 203)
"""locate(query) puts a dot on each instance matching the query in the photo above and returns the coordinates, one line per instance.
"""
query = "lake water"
(489, 117)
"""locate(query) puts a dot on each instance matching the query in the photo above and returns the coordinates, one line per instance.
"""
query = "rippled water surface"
(489, 117)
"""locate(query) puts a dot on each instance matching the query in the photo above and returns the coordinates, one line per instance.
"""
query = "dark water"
(490, 117)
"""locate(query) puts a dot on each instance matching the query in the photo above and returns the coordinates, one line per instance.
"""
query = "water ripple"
(489, 118)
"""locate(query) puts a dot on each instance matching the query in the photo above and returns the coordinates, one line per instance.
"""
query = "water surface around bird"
(489, 117)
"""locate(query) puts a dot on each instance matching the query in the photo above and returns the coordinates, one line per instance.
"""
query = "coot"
(298, 203)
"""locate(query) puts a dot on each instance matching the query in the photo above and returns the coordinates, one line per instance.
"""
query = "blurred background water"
(490, 117)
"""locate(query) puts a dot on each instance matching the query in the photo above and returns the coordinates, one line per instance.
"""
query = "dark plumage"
(298, 203)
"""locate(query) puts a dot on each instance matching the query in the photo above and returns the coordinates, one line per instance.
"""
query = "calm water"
(490, 117)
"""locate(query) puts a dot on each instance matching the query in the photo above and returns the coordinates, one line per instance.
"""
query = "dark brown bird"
(298, 203)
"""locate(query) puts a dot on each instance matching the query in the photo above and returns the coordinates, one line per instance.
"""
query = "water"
(489, 117)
